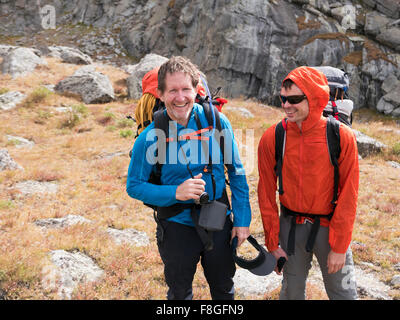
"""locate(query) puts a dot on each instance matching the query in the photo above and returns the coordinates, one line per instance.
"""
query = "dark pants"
(181, 249)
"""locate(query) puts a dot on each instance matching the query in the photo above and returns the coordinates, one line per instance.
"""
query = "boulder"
(69, 55)
(10, 99)
(384, 106)
(396, 112)
(20, 142)
(367, 145)
(5, 50)
(6, 162)
(242, 111)
(63, 222)
(92, 86)
(129, 236)
(137, 71)
(68, 270)
(393, 97)
(391, 8)
(390, 83)
(21, 61)
(31, 187)
(390, 37)
(374, 22)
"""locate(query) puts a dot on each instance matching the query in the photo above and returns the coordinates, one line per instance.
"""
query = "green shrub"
(126, 133)
(3, 90)
(37, 96)
(81, 109)
(124, 123)
(70, 121)
(396, 149)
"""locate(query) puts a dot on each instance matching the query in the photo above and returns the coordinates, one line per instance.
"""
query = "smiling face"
(295, 112)
(178, 96)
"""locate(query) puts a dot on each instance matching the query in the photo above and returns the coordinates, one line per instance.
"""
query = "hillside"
(75, 160)
(243, 46)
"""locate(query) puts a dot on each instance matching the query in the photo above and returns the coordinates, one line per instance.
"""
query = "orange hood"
(315, 86)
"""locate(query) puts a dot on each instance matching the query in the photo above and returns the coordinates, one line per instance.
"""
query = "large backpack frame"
(339, 82)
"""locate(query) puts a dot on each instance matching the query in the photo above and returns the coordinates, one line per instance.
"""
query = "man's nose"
(180, 95)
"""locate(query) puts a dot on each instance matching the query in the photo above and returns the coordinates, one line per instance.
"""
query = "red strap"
(192, 135)
(221, 103)
(335, 110)
(284, 124)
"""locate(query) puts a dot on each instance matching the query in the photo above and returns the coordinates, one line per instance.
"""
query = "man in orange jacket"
(308, 179)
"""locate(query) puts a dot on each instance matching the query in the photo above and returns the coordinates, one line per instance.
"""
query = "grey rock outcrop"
(21, 61)
(10, 99)
(92, 86)
(6, 162)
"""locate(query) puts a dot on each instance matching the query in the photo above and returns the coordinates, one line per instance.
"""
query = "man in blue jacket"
(192, 166)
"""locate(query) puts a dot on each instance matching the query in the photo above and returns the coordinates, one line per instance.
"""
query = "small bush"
(38, 95)
(6, 204)
(71, 120)
(73, 117)
(126, 133)
(81, 109)
(106, 118)
(396, 149)
(3, 90)
(124, 123)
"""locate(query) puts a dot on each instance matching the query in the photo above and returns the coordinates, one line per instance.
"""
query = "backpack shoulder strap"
(280, 140)
(161, 121)
(333, 141)
(209, 115)
(210, 120)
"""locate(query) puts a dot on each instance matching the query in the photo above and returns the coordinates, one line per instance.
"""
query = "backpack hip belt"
(314, 230)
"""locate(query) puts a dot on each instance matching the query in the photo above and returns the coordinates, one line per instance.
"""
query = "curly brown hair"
(178, 64)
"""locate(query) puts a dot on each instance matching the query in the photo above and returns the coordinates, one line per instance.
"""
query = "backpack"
(339, 105)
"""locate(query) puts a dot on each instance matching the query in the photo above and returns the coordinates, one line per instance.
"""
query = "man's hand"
(242, 233)
(277, 254)
(336, 261)
(191, 188)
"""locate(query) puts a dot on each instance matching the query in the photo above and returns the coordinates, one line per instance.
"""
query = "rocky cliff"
(245, 46)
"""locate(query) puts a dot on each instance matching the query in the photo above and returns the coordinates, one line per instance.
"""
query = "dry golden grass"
(93, 186)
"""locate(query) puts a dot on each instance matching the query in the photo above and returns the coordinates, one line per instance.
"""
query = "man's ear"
(159, 93)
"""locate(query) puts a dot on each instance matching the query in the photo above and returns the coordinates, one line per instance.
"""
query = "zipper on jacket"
(301, 151)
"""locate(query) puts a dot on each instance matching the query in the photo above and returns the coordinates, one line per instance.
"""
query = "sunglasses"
(293, 99)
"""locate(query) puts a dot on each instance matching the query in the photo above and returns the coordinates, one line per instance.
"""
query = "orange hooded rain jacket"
(307, 173)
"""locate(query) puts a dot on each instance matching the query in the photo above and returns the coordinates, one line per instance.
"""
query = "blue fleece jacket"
(180, 154)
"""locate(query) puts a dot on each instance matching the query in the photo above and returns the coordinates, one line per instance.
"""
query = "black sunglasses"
(293, 99)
